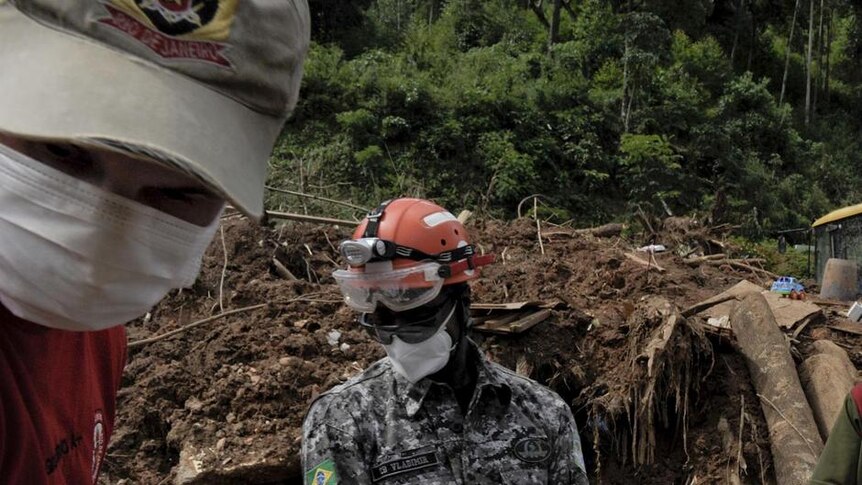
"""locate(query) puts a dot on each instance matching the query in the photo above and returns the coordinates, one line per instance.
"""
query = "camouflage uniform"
(841, 459)
(379, 428)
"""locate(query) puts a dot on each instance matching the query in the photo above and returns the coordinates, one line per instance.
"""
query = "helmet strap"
(374, 219)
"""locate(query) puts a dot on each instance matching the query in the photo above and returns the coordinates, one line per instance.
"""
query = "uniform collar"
(488, 381)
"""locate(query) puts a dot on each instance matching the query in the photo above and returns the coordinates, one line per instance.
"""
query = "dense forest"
(745, 112)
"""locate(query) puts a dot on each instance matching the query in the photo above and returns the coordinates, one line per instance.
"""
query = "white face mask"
(415, 361)
(76, 257)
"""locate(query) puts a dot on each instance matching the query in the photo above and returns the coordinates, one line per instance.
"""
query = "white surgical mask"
(76, 257)
(415, 361)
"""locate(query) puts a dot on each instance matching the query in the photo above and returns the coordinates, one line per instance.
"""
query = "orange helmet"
(403, 253)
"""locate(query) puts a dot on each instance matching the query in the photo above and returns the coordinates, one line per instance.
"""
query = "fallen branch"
(701, 259)
(735, 263)
(538, 225)
(223, 272)
(741, 429)
(645, 220)
(139, 343)
(695, 309)
(182, 329)
(282, 270)
(607, 230)
(716, 242)
(724, 227)
(723, 259)
(315, 219)
(645, 263)
(525, 199)
(317, 197)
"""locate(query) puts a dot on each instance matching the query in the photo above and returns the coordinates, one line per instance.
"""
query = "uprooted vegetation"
(656, 400)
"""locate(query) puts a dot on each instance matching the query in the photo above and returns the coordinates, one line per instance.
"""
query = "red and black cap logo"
(178, 17)
(176, 29)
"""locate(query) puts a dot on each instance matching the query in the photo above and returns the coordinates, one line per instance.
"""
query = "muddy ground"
(223, 402)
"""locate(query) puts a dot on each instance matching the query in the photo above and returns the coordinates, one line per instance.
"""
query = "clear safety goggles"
(397, 289)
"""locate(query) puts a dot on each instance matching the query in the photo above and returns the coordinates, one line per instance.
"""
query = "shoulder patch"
(322, 474)
(532, 450)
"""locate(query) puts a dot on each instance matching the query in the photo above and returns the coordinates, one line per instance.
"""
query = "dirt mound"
(223, 402)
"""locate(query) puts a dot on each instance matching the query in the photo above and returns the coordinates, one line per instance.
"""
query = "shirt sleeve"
(330, 445)
(839, 462)
(567, 467)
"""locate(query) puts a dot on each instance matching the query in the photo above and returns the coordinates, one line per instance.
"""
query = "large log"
(608, 230)
(827, 377)
(795, 440)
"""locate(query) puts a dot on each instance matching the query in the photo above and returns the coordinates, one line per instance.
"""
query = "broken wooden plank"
(802, 326)
(717, 332)
(699, 307)
(517, 305)
(517, 326)
(822, 302)
(480, 319)
(530, 321)
(504, 320)
(847, 327)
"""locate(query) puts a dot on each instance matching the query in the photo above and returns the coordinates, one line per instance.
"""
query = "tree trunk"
(567, 4)
(808, 62)
(398, 15)
(819, 62)
(787, 55)
(739, 5)
(432, 10)
(625, 82)
(554, 30)
(829, 29)
(793, 434)
(752, 43)
(536, 7)
(629, 108)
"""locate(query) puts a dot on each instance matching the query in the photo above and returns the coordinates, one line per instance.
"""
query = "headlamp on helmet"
(358, 252)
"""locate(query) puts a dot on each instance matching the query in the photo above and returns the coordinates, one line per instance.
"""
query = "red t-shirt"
(57, 401)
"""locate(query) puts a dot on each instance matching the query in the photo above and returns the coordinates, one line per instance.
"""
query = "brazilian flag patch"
(322, 474)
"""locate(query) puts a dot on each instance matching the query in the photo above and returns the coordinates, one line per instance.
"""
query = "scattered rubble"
(660, 396)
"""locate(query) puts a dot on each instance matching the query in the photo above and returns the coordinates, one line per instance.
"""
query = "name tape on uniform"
(403, 465)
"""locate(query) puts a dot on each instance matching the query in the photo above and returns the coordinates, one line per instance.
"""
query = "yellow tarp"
(839, 214)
